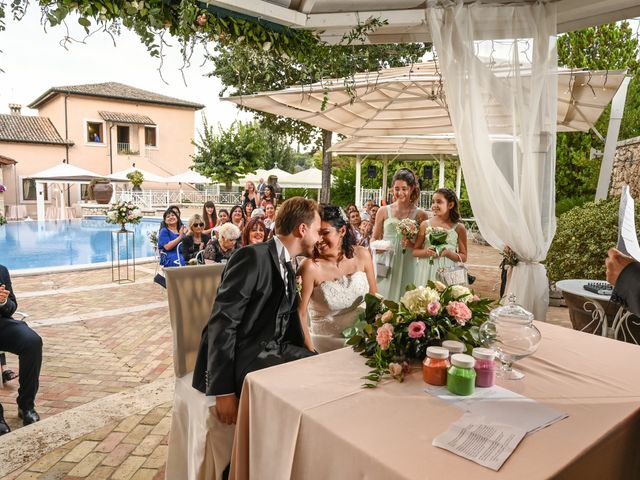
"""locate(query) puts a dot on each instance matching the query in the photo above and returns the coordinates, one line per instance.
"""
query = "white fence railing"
(164, 198)
(375, 194)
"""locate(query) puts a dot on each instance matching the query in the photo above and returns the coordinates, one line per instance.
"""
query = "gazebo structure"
(62, 174)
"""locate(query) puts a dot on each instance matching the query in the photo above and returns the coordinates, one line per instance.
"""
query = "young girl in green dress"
(446, 216)
(406, 193)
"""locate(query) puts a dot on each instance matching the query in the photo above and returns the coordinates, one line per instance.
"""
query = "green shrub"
(566, 204)
(583, 236)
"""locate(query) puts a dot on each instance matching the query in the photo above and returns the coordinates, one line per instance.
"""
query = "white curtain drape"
(499, 71)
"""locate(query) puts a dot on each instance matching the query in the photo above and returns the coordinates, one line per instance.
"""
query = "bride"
(334, 283)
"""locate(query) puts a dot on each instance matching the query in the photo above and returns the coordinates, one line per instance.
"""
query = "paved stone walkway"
(107, 379)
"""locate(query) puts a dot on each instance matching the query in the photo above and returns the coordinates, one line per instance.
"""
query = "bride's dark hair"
(334, 215)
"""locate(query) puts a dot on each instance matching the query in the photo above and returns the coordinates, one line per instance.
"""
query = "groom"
(254, 323)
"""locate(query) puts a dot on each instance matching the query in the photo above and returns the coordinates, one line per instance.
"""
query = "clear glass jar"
(435, 366)
(510, 332)
(461, 377)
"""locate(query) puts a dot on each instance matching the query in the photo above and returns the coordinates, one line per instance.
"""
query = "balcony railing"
(127, 149)
(164, 198)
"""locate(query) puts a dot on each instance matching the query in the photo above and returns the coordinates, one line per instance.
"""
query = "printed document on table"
(502, 406)
(627, 237)
(481, 440)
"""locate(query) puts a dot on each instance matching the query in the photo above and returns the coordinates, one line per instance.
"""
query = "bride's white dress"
(333, 307)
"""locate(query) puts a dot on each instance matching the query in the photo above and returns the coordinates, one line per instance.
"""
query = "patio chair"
(199, 444)
(16, 316)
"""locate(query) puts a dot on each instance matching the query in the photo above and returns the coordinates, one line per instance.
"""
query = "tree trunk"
(325, 193)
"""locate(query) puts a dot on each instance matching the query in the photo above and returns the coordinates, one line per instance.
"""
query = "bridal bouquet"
(391, 334)
(122, 213)
(437, 239)
(408, 229)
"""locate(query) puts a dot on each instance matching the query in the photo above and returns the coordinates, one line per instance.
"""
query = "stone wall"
(626, 168)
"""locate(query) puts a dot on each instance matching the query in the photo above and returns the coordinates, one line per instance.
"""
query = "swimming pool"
(59, 243)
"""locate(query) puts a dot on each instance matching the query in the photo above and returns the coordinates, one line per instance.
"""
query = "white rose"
(413, 300)
(430, 295)
(461, 293)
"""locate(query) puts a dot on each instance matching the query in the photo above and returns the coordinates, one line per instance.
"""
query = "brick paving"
(93, 360)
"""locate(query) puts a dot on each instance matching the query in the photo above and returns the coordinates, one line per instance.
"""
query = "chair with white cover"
(199, 444)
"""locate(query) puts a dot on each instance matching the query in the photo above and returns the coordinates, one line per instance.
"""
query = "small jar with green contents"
(461, 377)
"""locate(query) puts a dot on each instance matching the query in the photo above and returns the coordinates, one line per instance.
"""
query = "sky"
(34, 61)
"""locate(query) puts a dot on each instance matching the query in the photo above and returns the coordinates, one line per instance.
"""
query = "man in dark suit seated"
(254, 323)
(16, 337)
(623, 273)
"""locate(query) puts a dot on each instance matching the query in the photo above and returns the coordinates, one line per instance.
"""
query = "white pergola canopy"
(406, 146)
(406, 19)
(411, 101)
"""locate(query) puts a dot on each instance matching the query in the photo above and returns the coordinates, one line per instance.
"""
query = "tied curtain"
(498, 65)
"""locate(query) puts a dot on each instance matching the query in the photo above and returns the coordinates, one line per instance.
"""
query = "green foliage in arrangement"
(605, 47)
(136, 178)
(583, 236)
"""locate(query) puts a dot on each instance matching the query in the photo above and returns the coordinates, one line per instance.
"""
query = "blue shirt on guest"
(170, 257)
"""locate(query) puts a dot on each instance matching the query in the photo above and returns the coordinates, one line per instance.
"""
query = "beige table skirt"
(311, 419)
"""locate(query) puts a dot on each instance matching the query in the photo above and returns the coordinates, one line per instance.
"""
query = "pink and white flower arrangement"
(407, 228)
(390, 334)
(122, 213)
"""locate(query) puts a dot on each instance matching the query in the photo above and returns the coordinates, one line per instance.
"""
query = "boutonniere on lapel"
(298, 284)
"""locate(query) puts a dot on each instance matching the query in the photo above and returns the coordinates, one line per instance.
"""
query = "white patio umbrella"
(411, 101)
(188, 176)
(61, 173)
(264, 174)
(148, 176)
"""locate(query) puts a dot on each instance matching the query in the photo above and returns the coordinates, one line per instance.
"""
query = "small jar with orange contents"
(435, 366)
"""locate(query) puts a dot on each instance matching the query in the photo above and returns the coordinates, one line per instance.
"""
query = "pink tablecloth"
(312, 420)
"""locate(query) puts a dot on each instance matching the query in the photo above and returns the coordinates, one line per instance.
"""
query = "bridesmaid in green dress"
(444, 206)
(406, 192)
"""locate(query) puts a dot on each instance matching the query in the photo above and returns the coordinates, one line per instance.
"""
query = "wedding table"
(16, 212)
(311, 419)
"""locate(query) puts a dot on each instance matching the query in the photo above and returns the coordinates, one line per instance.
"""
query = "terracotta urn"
(102, 192)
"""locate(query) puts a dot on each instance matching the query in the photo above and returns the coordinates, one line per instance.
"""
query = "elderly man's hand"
(615, 263)
(4, 294)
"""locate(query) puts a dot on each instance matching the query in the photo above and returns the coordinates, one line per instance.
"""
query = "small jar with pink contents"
(485, 367)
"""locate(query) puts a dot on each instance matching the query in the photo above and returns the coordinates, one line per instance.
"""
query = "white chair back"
(191, 291)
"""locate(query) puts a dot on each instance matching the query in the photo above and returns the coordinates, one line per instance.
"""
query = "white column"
(358, 181)
(606, 167)
(40, 200)
(441, 174)
(385, 173)
(458, 180)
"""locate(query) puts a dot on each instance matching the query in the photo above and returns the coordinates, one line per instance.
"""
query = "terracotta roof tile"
(119, 117)
(28, 129)
(114, 90)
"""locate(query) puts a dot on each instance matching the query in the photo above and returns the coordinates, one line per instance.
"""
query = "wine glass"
(511, 333)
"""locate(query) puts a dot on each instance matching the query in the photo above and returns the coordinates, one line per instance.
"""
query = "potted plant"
(100, 190)
(136, 178)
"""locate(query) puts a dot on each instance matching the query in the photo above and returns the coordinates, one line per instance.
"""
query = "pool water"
(58, 243)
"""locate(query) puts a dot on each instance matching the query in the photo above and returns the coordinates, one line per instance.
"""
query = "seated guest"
(366, 228)
(16, 337)
(209, 216)
(170, 235)
(350, 208)
(237, 216)
(372, 213)
(195, 240)
(366, 215)
(258, 213)
(176, 210)
(623, 273)
(354, 221)
(220, 248)
(223, 217)
(254, 232)
(269, 215)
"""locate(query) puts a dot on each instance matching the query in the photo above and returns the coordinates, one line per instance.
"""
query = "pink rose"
(387, 316)
(441, 287)
(416, 329)
(459, 311)
(474, 298)
(395, 370)
(384, 335)
(433, 308)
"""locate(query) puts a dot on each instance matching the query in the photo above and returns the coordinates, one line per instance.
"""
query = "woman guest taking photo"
(169, 236)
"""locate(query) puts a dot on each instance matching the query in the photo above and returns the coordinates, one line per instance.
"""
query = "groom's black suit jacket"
(250, 327)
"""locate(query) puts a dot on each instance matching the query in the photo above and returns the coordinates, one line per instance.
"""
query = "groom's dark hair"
(293, 212)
